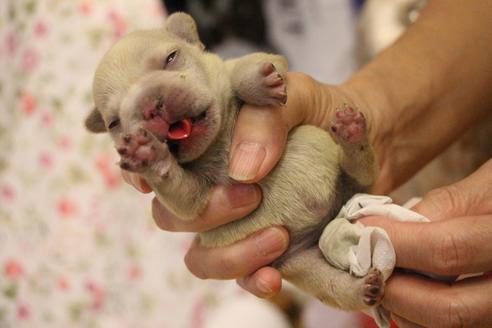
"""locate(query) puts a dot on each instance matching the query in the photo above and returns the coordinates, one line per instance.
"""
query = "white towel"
(373, 249)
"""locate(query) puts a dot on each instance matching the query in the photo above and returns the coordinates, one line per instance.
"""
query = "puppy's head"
(157, 80)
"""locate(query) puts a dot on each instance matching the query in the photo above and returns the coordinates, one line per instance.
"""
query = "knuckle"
(448, 254)
(444, 199)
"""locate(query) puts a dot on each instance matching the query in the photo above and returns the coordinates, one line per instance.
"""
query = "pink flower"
(13, 269)
(67, 208)
(197, 314)
(7, 193)
(11, 43)
(119, 24)
(40, 29)
(63, 283)
(135, 272)
(30, 59)
(108, 171)
(47, 119)
(28, 103)
(98, 294)
(23, 312)
(85, 7)
(65, 143)
(46, 160)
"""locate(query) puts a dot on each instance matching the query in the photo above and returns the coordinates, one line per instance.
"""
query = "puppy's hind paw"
(373, 289)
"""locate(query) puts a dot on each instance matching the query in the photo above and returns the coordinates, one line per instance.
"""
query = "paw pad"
(349, 125)
(136, 150)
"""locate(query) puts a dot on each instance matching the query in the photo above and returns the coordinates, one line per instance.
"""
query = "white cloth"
(357, 248)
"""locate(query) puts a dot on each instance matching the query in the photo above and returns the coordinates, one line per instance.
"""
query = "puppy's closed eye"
(170, 58)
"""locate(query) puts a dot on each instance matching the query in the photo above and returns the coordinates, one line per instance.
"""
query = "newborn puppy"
(170, 108)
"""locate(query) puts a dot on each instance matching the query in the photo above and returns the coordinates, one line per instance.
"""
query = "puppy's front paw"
(349, 125)
(261, 84)
(373, 288)
(141, 150)
(273, 84)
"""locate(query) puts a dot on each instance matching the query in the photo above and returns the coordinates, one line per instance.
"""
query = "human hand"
(260, 133)
(457, 241)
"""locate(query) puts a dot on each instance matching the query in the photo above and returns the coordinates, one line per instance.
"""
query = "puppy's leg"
(310, 271)
(182, 192)
(357, 157)
(259, 79)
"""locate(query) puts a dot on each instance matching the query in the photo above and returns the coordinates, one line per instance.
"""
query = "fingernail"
(246, 161)
(139, 183)
(263, 287)
(135, 181)
(270, 242)
(241, 195)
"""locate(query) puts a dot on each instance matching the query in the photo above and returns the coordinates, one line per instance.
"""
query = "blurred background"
(78, 247)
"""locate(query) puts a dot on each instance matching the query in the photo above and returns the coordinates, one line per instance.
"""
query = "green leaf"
(10, 291)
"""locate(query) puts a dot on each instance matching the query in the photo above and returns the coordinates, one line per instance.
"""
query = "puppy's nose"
(158, 127)
(155, 108)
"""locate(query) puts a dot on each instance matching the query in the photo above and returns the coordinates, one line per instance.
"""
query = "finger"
(264, 283)
(404, 323)
(260, 134)
(429, 303)
(239, 259)
(451, 247)
(225, 204)
(136, 181)
(470, 196)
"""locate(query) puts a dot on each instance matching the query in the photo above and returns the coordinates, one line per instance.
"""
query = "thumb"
(470, 196)
(442, 203)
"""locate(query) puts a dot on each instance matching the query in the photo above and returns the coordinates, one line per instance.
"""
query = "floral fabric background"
(78, 247)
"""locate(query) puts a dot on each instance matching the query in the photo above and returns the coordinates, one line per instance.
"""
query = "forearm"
(428, 88)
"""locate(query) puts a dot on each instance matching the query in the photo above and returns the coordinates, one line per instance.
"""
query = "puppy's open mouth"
(182, 129)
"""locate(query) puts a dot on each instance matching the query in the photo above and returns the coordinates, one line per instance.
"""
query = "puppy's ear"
(184, 26)
(94, 122)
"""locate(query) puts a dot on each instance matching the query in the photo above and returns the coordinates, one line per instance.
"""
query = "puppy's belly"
(303, 193)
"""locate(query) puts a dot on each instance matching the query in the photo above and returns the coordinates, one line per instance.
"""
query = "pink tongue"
(180, 130)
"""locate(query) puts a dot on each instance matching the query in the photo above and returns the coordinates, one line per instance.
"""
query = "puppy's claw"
(373, 289)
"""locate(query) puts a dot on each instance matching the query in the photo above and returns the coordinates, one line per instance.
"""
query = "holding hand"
(458, 241)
